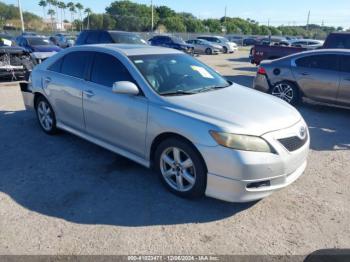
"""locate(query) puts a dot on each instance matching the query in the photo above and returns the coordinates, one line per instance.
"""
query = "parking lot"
(63, 195)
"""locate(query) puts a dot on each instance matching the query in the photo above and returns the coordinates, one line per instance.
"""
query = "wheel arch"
(167, 135)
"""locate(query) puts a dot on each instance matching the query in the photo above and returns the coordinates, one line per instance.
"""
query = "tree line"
(130, 16)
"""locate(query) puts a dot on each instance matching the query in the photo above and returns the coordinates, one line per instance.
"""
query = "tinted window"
(107, 69)
(81, 38)
(345, 63)
(127, 38)
(92, 37)
(325, 62)
(339, 41)
(74, 64)
(56, 67)
(105, 38)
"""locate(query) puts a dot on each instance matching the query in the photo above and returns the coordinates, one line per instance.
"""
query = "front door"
(118, 119)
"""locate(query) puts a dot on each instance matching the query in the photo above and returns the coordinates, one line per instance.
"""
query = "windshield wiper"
(178, 92)
(210, 88)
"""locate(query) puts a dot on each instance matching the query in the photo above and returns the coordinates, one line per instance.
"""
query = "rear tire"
(46, 116)
(181, 168)
(286, 91)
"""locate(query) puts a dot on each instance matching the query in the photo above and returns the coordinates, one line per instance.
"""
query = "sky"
(278, 12)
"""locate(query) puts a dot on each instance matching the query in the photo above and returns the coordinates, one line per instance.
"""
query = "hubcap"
(177, 169)
(283, 91)
(45, 115)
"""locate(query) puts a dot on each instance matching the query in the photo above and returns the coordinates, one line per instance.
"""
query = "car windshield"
(223, 39)
(178, 40)
(38, 41)
(125, 38)
(205, 42)
(178, 74)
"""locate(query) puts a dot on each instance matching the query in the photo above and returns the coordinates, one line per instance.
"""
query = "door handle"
(89, 93)
(47, 80)
(304, 74)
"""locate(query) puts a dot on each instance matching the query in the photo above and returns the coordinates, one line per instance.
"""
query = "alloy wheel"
(45, 115)
(283, 91)
(178, 169)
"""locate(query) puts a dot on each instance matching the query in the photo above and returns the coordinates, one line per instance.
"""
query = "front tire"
(46, 116)
(286, 91)
(181, 168)
(225, 50)
(208, 51)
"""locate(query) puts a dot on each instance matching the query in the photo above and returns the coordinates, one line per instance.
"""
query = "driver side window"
(107, 69)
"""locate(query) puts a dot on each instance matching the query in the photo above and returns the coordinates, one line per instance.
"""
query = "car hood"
(237, 109)
(46, 48)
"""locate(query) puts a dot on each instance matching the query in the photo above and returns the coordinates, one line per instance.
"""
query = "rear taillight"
(261, 71)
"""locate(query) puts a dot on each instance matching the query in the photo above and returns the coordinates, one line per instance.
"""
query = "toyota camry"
(164, 109)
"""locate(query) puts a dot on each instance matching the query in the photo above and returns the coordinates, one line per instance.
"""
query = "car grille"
(293, 143)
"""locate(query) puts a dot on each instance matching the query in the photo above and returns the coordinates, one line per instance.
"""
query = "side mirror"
(125, 87)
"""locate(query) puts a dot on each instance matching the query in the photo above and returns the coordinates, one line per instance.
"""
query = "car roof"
(128, 49)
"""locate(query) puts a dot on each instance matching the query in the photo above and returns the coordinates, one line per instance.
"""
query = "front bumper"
(241, 176)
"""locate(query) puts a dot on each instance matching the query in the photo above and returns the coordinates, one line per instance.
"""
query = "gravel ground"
(63, 195)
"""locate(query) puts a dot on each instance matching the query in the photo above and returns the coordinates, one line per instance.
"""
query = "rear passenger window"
(107, 69)
(56, 66)
(345, 63)
(324, 62)
(74, 64)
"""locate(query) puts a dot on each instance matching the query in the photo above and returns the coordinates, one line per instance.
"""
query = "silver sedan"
(202, 46)
(166, 110)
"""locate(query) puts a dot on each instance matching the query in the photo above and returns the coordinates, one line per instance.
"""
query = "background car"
(172, 42)
(87, 37)
(205, 47)
(227, 46)
(15, 62)
(40, 47)
(249, 41)
(322, 75)
(63, 40)
(307, 43)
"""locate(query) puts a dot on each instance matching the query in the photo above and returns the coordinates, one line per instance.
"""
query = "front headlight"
(241, 142)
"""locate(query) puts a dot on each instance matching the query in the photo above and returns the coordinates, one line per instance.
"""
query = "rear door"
(118, 119)
(318, 76)
(64, 84)
(344, 89)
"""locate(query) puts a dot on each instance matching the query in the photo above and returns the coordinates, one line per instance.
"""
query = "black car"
(172, 42)
(249, 41)
(88, 37)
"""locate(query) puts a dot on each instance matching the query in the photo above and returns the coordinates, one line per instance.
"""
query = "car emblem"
(302, 132)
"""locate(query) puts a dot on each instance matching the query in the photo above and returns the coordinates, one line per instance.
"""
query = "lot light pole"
(152, 24)
(21, 15)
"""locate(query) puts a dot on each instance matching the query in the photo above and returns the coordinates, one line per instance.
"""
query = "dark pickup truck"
(268, 52)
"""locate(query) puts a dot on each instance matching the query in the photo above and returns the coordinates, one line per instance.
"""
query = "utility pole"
(21, 15)
(225, 13)
(152, 16)
(308, 21)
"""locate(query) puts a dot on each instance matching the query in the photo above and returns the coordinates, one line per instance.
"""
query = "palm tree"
(55, 4)
(51, 13)
(88, 11)
(43, 4)
(62, 6)
(80, 7)
(72, 10)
